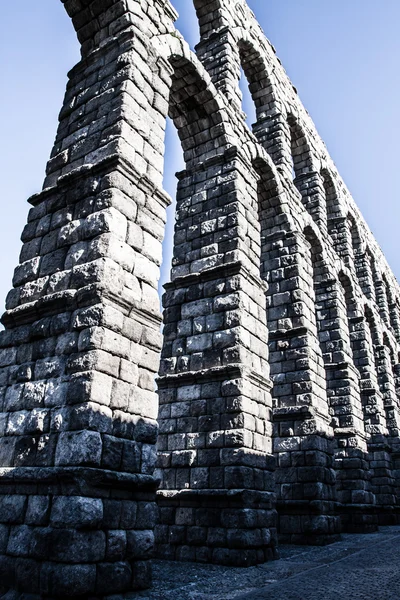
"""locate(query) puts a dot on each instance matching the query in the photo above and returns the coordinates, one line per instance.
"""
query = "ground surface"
(359, 567)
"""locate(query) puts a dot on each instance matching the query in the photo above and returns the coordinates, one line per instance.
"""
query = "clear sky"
(342, 55)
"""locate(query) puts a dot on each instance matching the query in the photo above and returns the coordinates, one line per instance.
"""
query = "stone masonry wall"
(279, 379)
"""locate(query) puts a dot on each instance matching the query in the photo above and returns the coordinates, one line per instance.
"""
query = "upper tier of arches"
(297, 156)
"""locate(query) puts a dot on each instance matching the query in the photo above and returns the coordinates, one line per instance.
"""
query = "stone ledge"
(104, 166)
(86, 475)
(294, 413)
(213, 374)
(280, 334)
(70, 300)
(219, 272)
(349, 432)
(307, 507)
(247, 498)
(49, 305)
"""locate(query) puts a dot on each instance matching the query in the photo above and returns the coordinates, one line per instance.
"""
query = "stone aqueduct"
(279, 382)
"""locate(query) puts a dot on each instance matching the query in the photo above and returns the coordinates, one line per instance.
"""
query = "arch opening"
(259, 85)
(248, 106)
(333, 208)
(270, 212)
(300, 149)
(316, 273)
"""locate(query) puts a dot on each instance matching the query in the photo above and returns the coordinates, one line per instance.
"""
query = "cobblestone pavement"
(359, 567)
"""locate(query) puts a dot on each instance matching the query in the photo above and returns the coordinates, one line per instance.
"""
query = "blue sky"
(343, 57)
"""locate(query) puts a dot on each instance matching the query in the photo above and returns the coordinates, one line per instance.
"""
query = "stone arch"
(271, 126)
(354, 259)
(375, 414)
(273, 194)
(387, 376)
(194, 104)
(333, 205)
(356, 242)
(335, 219)
(367, 280)
(395, 318)
(350, 295)
(316, 246)
(195, 111)
(351, 332)
(376, 332)
(349, 291)
(392, 304)
(300, 148)
(389, 344)
(317, 272)
(292, 321)
(273, 211)
(256, 72)
(227, 74)
(335, 306)
(345, 397)
(306, 176)
(381, 294)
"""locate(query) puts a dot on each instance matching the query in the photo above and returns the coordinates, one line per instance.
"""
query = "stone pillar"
(311, 187)
(396, 377)
(337, 227)
(382, 299)
(218, 48)
(395, 318)
(387, 384)
(375, 416)
(372, 401)
(395, 446)
(81, 345)
(303, 437)
(381, 448)
(395, 456)
(393, 309)
(217, 500)
(365, 276)
(351, 459)
(272, 132)
(220, 55)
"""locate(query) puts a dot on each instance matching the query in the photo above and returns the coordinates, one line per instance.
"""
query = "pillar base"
(75, 532)
(226, 527)
(385, 483)
(359, 518)
(307, 484)
(312, 523)
(357, 503)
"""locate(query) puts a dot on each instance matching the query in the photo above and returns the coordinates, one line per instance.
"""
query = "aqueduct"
(279, 380)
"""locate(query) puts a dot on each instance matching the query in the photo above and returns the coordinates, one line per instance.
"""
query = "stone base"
(307, 483)
(359, 518)
(357, 502)
(308, 523)
(75, 532)
(367, 518)
(227, 527)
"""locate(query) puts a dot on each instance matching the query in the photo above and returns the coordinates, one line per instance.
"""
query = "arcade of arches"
(278, 406)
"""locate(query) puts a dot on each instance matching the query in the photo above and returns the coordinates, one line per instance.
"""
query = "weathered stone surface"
(76, 512)
(278, 391)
